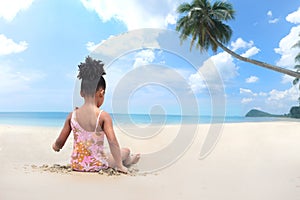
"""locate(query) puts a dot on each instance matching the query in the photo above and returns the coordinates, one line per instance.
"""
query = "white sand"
(251, 161)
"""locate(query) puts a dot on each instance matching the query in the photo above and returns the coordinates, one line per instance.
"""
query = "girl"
(90, 125)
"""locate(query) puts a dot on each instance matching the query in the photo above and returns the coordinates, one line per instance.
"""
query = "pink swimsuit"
(88, 153)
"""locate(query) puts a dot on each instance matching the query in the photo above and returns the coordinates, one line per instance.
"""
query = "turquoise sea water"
(57, 119)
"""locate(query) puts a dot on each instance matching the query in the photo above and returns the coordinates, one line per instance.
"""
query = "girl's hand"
(64, 134)
(122, 169)
(55, 148)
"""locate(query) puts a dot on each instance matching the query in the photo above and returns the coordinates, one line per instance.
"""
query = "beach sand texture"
(251, 161)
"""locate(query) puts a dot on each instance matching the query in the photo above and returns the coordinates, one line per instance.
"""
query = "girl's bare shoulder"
(105, 115)
(69, 116)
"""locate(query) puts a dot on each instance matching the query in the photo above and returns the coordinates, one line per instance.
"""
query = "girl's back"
(87, 118)
(88, 152)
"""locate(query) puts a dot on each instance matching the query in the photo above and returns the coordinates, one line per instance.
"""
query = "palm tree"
(204, 22)
(297, 67)
(296, 80)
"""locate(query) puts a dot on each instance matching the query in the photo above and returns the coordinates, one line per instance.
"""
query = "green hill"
(258, 113)
(294, 113)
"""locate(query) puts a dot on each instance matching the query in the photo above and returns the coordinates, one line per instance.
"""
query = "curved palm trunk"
(256, 62)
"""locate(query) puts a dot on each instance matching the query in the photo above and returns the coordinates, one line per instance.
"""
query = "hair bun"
(91, 69)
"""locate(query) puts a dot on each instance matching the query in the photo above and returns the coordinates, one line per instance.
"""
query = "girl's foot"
(135, 158)
(132, 159)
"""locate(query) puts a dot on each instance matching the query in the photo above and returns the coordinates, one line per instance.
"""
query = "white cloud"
(287, 79)
(226, 69)
(13, 80)
(9, 9)
(263, 94)
(197, 83)
(247, 92)
(224, 63)
(147, 85)
(8, 46)
(280, 101)
(252, 79)
(171, 19)
(135, 14)
(251, 52)
(285, 49)
(290, 94)
(144, 57)
(270, 14)
(246, 100)
(274, 101)
(285, 95)
(240, 43)
(272, 20)
(294, 17)
(91, 46)
(138, 60)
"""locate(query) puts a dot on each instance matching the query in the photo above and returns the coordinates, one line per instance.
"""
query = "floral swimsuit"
(88, 151)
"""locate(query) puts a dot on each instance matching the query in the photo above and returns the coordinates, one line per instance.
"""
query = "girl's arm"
(64, 134)
(113, 142)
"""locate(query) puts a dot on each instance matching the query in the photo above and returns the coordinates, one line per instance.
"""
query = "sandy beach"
(251, 161)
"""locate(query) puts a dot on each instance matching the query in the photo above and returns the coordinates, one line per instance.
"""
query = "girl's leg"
(127, 159)
(130, 159)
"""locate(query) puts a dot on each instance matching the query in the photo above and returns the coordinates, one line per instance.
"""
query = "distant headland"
(294, 113)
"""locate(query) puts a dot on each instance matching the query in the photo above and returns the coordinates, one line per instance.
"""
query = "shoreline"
(251, 120)
(58, 119)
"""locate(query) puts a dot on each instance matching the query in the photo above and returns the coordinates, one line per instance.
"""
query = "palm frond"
(297, 67)
(223, 11)
(202, 20)
(295, 81)
(297, 58)
(183, 8)
(296, 45)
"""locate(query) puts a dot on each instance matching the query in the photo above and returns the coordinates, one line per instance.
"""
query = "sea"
(57, 119)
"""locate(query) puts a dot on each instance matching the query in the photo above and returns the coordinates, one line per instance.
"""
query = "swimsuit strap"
(97, 123)
(74, 114)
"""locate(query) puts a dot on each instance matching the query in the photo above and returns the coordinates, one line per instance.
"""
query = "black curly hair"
(91, 72)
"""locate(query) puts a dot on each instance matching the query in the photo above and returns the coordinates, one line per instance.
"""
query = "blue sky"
(42, 42)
